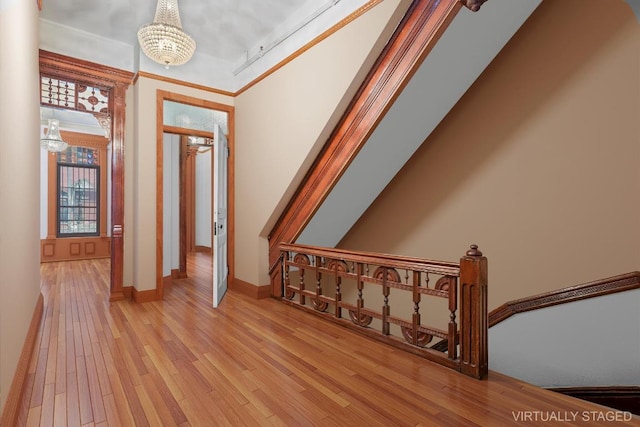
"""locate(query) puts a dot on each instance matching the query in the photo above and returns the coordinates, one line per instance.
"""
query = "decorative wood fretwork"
(357, 281)
(72, 94)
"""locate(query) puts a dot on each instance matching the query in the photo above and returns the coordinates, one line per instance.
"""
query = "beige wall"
(282, 122)
(143, 168)
(538, 163)
(19, 181)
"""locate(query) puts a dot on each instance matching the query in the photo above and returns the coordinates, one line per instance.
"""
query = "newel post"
(276, 274)
(474, 314)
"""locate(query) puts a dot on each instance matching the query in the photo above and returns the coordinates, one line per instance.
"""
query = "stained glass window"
(79, 156)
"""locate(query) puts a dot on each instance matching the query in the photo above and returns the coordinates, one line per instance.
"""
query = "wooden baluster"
(285, 268)
(318, 304)
(317, 262)
(360, 303)
(416, 306)
(452, 350)
(385, 307)
(301, 286)
(338, 312)
(473, 314)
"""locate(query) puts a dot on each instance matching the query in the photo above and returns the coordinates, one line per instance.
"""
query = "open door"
(220, 267)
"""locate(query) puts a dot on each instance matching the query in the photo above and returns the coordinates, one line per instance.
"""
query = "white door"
(220, 267)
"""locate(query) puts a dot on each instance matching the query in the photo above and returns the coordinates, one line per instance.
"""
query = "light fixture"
(164, 41)
(52, 140)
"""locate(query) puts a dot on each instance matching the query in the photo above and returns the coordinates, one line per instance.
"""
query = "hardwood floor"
(249, 362)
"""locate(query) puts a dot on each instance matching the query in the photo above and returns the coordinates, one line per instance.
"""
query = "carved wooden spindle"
(416, 307)
(303, 259)
(338, 312)
(360, 303)
(285, 267)
(301, 286)
(452, 348)
(473, 314)
(318, 304)
(385, 308)
(317, 263)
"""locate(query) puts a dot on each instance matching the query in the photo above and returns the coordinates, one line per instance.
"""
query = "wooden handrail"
(322, 275)
(417, 34)
(611, 285)
(399, 261)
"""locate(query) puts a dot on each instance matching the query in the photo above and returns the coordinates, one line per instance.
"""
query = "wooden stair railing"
(610, 285)
(332, 283)
(423, 24)
(597, 288)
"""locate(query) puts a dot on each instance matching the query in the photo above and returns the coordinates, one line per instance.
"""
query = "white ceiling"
(227, 33)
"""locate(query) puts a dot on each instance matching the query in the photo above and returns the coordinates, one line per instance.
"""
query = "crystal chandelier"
(52, 140)
(164, 41)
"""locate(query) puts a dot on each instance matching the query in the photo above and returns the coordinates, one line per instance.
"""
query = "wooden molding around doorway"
(116, 82)
(160, 129)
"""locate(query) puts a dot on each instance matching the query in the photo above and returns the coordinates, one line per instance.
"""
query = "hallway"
(180, 362)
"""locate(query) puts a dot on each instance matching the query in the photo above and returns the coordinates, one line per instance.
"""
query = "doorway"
(74, 84)
(189, 121)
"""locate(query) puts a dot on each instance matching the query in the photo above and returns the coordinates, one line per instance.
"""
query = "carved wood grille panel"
(73, 95)
(407, 302)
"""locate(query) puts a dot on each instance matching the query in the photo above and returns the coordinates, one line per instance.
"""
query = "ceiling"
(228, 32)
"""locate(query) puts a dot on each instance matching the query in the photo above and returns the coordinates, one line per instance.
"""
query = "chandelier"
(164, 41)
(52, 140)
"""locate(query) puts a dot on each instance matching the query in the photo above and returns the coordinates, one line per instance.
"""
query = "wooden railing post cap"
(473, 5)
(474, 252)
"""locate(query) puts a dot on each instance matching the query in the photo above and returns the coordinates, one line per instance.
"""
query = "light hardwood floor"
(181, 362)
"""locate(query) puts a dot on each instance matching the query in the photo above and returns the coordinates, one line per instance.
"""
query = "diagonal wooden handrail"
(610, 285)
(419, 31)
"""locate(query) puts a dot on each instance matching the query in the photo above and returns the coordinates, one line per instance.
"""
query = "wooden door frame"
(160, 130)
(117, 81)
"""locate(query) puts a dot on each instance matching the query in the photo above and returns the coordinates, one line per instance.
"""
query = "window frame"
(97, 207)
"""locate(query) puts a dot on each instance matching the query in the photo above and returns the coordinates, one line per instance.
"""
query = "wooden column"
(117, 192)
(474, 323)
(187, 203)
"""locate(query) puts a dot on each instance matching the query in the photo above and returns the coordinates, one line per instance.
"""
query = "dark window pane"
(78, 197)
